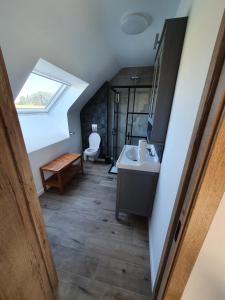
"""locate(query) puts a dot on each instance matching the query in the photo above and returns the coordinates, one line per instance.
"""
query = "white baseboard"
(40, 192)
(152, 269)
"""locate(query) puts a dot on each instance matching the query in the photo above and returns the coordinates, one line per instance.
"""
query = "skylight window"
(39, 93)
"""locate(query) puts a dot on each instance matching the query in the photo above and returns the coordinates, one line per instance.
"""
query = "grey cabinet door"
(165, 75)
(136, 191)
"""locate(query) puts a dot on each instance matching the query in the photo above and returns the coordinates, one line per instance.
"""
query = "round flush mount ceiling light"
(134, 23)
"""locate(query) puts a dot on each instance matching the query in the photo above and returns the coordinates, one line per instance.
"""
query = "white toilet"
(92, 152)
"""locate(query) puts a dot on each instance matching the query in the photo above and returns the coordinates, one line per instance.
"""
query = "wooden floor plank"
(96, 256)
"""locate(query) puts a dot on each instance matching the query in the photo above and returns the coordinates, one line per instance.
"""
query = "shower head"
(135, 77)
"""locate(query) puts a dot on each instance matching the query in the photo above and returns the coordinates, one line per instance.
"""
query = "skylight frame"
(54, 98)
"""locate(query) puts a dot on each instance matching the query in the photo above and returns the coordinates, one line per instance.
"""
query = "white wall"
(44, 155)
(43, 129)
(204, 20)
(207, 279)
(46, 135)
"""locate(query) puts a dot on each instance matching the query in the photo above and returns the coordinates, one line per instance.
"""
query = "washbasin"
(128, 159)
(132, 154)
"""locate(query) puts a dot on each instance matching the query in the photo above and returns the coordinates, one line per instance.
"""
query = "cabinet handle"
(156, 42)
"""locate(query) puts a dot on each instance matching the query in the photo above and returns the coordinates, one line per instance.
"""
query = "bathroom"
(110, 202)
(99, 118)
(125, 123)
(119, 112)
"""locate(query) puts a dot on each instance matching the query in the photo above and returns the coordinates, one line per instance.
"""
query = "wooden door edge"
(16, 142)
(200, 216)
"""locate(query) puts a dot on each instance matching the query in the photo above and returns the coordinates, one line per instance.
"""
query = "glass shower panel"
(129, 118)
(134, 141)
(122, 116)
(137, 127)
(137, 116)
(140, 125)
(131, 99)
(142, 100)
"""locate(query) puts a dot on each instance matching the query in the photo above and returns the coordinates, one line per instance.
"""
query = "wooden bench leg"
(60, 182)
(43, 180)
(82, 164)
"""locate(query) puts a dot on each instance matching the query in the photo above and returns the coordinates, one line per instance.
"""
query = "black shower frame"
(129, 87)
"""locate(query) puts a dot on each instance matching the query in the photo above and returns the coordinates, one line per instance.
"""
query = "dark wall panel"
(123, 77)
(95, 112)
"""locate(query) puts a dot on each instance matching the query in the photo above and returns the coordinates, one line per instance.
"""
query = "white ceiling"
(131, 50)
(82, 37)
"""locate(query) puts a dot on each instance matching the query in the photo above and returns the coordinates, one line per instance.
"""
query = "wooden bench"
(62, 169)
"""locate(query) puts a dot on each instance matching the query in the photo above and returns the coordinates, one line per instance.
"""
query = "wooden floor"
(96, 256)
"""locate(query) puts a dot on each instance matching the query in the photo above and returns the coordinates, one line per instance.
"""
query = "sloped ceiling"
(82, 37)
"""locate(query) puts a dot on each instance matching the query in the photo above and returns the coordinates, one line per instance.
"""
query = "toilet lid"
(94, 140)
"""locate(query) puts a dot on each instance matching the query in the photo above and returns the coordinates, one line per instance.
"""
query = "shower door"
(120, 101)
(137, 114)
(129, 116)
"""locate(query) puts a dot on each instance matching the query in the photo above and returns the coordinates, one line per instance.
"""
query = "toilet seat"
(93, 150)
(90, 151)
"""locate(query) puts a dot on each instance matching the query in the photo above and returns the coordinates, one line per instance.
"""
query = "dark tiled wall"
(95, 112)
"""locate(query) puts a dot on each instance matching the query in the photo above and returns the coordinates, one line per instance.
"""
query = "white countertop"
(129, 153)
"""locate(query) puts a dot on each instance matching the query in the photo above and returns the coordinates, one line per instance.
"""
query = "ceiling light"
(134, 23)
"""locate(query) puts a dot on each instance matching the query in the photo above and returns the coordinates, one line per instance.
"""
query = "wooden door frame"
(207, 124)
(13, 133)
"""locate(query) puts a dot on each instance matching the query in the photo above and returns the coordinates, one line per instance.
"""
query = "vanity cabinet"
(166, 66)
(135, 192)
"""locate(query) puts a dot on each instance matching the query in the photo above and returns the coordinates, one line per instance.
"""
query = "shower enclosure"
(128, 116)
